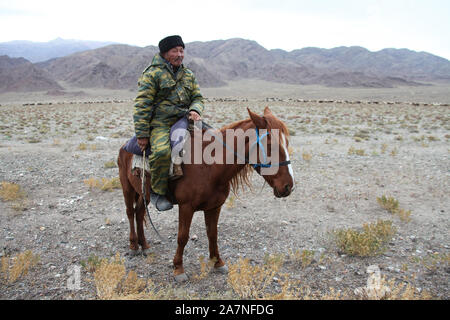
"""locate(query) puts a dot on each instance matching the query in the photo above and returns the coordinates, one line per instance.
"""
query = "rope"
(144, 195)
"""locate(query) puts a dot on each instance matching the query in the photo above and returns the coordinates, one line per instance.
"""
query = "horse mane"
(274, 123)
(242, 178)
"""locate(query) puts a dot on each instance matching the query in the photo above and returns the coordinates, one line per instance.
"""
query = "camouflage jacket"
(166, 94)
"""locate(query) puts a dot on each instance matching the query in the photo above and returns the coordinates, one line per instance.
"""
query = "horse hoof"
(145, 251)
(133, 253)
(222, 270)
(181, 278)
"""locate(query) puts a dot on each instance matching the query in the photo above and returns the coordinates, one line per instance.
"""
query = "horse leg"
(140, 214)
(185, 214)
(129, 196)
(211, 221)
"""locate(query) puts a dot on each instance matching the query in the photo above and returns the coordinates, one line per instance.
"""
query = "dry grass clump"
(258, 282)
(388, 203)
(302, 257)
(370, 241)
(266, 281)
(353, 151)
(307, 156)
(103, 184)
(274, 261)
(112, 282)
(92, 263)
(392, 205)
(251, 282)
(361, 135)
(13, 192)
(247, 281)
(34, 140)
(82, 146)
(394, 152)
(404, 291)
(205, 267)
(433, 261)
(16, 267)
(10, 191)
(384, 289)
(110, 164)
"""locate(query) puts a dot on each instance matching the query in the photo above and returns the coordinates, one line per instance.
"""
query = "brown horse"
(205, 187)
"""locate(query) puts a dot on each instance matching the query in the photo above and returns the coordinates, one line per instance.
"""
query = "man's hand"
(194, 116)
(142, 143)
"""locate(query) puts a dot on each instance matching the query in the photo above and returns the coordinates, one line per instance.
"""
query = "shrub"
(91, 263)
(388, 203)
(390, 290)
(14, 268)
(10, 191)
(353, 151)
(110, 164)
(250, 282)
(303, 257)
(111, 279)
(370, 241)
(104, 184)
(306, 156)
(112, 282)
(392, 205)
(13, 192)
(82, 146)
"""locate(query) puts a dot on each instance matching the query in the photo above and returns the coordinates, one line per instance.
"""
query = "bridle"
(264, 164)
(257, 143)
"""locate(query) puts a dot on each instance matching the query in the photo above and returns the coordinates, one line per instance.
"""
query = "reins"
(144, 194)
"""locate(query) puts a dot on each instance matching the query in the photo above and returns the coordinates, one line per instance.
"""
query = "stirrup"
(177, 172)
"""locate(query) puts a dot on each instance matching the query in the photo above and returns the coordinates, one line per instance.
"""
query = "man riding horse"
(167, 91)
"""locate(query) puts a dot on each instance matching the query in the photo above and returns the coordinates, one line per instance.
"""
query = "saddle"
(177, 135)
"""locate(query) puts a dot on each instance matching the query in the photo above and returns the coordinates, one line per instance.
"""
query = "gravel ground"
(50, 150)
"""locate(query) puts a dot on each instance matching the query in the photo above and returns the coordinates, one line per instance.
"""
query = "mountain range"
(119, 66)
(19, 74)
(42, 51)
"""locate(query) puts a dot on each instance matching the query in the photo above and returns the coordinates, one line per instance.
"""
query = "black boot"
(160, 201)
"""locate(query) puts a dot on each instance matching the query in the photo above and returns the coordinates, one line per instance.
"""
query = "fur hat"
(170, 42)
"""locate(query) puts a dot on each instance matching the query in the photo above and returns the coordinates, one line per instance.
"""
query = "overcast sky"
(420, 25)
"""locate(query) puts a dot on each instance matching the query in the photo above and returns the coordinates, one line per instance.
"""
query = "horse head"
(272, 143)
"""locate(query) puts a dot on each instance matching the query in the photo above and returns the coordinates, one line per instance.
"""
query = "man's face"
(175, 56)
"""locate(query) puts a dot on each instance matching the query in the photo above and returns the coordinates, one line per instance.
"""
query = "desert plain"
(64, 231)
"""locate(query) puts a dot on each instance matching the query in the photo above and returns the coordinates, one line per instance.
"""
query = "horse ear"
(268, 112)
(259, 121)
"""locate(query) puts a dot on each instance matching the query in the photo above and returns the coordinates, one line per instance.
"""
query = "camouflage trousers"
(160, 159)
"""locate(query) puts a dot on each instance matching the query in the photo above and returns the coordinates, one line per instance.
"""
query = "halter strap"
(257, 142)
(264, 164)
